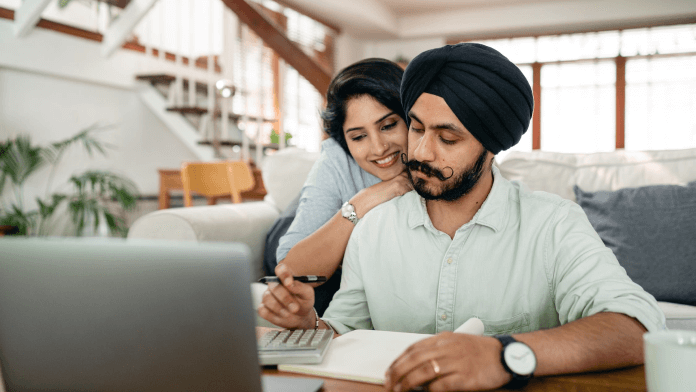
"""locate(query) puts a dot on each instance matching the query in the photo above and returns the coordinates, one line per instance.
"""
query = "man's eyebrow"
(448, 127)
(444, 126)
(413, 116)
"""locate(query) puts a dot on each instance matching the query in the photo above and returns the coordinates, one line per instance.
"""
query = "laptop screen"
(104, 315)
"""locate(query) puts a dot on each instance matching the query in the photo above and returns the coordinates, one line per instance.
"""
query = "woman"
(360, 164)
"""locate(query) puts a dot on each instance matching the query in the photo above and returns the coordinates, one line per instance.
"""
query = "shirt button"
(449, 261)
(444, 317)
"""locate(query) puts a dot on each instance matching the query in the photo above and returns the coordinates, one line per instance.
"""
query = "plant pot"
(7, 230)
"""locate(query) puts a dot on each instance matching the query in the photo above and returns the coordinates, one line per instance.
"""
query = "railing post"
(281, 112)
(244, 93)
(262, 106)
(179, 57)
(192, 58)
(211, 74)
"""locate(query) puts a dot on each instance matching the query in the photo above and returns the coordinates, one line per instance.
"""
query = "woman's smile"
(388, 161)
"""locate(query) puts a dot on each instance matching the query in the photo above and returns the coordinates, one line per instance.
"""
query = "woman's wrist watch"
(518, 359)
(348, 212)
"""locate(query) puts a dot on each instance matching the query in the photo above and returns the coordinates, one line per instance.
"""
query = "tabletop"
(629, 379)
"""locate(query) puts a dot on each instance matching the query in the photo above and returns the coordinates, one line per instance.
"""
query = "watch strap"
(518, 381)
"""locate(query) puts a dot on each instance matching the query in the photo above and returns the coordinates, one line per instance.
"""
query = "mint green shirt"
(526, 261)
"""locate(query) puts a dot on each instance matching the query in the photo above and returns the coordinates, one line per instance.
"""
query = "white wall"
(51, 108)
(350, 49)
(409, 48)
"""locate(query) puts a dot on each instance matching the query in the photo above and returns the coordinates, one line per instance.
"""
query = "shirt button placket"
(445, 306)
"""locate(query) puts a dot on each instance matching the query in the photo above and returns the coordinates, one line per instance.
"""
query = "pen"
(302, 278)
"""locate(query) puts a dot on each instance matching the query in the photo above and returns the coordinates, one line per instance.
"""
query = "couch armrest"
(245, 222)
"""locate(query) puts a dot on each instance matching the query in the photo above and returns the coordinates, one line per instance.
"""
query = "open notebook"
(361, 355)
(365, 355)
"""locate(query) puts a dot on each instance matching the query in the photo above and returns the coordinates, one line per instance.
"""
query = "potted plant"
(89, 192)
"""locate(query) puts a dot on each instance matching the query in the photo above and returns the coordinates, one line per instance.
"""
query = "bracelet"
(316, 323)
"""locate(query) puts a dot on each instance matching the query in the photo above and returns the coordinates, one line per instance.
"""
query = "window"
(660, 103)
(579, 111)
(585, 105)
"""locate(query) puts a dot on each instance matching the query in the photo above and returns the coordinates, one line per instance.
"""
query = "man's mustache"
(414, 165)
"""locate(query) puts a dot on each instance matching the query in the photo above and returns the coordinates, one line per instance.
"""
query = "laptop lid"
(112, 315)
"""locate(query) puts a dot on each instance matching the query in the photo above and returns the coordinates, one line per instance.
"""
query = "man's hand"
(449, 362)
(289, 305)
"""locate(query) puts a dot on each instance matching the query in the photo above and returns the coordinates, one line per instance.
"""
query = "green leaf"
(18, 218)
(85, 137)
(116, 224)
(47, 209)
(19, 159)
(3, 180)
(275, 138)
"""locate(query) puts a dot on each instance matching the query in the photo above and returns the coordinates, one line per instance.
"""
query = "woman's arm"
(321, 252)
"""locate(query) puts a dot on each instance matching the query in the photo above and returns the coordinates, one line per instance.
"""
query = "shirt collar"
(492, 213)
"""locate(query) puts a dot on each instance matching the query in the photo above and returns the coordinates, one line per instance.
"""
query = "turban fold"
(487, 92)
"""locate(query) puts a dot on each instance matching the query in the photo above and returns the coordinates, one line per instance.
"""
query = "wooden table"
(170, 180)
(630, 379)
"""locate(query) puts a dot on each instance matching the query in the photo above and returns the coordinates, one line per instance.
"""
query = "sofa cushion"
(651, 232)
(247, 223)
(679, 316)
(284, 174)
(606, 171)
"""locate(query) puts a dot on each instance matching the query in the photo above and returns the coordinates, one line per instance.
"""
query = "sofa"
(285, 171)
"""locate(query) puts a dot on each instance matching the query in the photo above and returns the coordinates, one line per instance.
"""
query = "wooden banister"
(276, 39)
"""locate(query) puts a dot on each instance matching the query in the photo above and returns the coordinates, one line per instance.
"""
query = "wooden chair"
(216, 179)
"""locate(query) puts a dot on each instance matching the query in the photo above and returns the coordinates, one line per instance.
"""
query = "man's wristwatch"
(348, 212)
(518, 359)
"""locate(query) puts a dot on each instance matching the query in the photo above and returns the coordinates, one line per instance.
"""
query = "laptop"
(114, 315)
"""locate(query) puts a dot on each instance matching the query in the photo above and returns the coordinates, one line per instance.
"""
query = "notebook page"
(360, 355)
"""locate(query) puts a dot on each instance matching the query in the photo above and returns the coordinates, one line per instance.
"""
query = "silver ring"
(436, 367)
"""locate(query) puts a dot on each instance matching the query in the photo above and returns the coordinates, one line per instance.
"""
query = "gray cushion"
(652, 231)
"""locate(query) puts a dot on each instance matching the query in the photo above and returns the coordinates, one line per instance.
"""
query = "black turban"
(486, 91)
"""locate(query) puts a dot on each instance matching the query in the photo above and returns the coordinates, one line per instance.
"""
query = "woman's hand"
(371, 197)
(288, 305)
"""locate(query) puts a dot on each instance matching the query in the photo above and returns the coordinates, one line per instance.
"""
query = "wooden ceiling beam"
(276, 39)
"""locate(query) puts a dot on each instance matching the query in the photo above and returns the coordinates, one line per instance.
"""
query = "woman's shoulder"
(333, 157)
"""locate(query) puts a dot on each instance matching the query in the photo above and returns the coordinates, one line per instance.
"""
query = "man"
(468, 243)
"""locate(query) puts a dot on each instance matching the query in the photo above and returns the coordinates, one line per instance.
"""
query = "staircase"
(191, 123)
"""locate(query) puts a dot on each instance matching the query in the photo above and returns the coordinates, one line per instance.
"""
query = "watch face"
(347, 209)
(520, 358)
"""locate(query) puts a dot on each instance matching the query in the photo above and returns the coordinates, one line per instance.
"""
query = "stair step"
(117, 3)
(188, 110)
(169, 79)
(232, 143)
(157, 78)
(201, 111)
(237, 117)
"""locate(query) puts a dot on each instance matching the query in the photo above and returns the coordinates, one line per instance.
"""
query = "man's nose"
(424, 151)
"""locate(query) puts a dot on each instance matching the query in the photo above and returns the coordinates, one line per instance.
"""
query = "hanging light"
(225, 88)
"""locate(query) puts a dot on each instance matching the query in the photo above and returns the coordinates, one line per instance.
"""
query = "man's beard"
(462, 184)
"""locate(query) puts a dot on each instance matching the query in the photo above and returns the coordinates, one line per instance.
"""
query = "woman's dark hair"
(378, 78)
